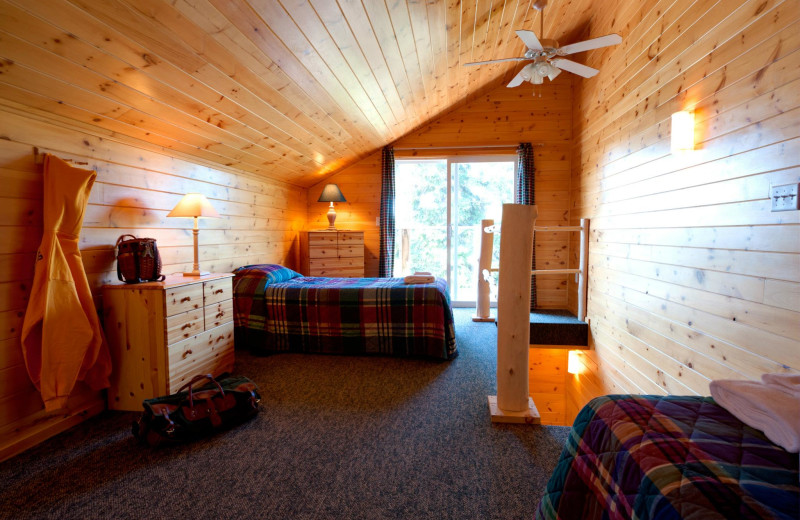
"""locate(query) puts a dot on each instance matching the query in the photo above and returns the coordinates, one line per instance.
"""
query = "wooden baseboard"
(529, 416)
(34, 431)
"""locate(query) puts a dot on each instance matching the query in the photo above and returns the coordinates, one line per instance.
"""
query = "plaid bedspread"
(342, 315)
(668, 458)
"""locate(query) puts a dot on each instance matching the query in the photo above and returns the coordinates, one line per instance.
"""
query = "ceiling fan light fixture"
(554, 74)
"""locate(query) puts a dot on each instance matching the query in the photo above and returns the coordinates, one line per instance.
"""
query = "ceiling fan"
(546, 55)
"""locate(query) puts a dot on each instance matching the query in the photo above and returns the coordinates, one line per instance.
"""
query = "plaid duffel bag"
(192, 413)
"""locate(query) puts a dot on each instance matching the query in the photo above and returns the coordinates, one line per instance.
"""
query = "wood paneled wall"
(134, 190)
(692, 277)
(503, 116)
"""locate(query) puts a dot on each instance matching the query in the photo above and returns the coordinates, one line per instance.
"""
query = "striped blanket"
(279, 312)
(669, 458)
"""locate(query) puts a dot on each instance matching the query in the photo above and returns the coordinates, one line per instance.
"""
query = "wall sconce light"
(682, 132)
(574, 365)
(331, 193)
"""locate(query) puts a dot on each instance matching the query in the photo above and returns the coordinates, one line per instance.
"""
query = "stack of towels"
(419, 277)
(771, 405)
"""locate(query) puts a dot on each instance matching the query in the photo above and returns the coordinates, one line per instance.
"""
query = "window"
(439, 206)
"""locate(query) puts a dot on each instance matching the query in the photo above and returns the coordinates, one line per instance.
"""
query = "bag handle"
(194, 380)
(123, 236)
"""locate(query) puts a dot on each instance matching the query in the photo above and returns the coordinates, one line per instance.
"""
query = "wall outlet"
(784, 198)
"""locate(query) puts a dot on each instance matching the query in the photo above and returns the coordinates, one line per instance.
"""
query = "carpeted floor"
(337, 437)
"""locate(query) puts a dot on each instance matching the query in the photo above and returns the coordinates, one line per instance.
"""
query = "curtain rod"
(514, 146)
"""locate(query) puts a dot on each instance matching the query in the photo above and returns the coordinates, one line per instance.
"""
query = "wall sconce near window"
(682, 132)
(194, 205)
(331, 193)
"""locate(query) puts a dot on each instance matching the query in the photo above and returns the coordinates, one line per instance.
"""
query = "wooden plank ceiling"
(288, 89)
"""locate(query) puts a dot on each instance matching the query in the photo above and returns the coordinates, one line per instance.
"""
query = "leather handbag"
(193, 413)
(138, 260)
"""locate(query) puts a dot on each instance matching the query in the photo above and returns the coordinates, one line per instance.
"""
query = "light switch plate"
(784, 198)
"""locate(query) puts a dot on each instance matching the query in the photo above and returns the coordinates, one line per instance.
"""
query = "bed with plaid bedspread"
(279, 312)
(669, 458)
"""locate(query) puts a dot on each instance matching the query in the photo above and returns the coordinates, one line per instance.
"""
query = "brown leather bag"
(138, 260)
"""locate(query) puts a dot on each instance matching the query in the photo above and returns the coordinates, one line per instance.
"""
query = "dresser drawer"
(217, 290)
(184, 298)
(351, 239)
(322, 239)
(184, 325)
(218, 314)
(322, 252)
(209, 352)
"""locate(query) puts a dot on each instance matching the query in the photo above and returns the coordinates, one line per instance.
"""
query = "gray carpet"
(337, 437)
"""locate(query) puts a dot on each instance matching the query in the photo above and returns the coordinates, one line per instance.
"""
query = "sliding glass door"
(438, 211)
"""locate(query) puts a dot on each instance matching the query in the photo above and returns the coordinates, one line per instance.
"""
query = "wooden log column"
(513, 402)
(482, 312)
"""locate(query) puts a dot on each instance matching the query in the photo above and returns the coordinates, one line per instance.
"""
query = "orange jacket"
(62, 341)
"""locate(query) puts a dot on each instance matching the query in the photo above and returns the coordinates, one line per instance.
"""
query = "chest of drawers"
(161, 334)
(337, 254)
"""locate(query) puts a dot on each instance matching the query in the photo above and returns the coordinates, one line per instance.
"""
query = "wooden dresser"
(338, 254)
(161, 334)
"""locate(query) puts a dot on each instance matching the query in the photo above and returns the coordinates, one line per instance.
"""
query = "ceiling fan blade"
(595, 43)
(494, 61)
(530, 40)
(575, 68)
(523, 75)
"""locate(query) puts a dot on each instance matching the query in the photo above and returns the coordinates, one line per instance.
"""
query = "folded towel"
(790, 381)
(772, 408)
(413, 278)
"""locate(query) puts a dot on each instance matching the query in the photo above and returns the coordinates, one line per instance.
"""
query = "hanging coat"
(62, 341)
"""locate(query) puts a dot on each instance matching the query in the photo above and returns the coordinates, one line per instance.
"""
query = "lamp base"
(196, 273)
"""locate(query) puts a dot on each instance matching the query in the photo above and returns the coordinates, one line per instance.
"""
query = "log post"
(513, 402)
(482, 312)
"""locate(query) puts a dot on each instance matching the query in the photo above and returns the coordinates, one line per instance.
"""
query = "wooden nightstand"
(337, 253)
(161, 334)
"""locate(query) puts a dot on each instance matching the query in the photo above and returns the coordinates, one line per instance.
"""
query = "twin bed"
(279, 310)
(669, 457)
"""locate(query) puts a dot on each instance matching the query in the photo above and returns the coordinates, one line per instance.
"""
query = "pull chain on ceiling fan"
(546, 54)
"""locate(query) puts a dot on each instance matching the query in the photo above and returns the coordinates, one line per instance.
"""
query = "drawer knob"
(186, 326)
(220, 314)
(187, 353)
(219, 291)
(186, 299)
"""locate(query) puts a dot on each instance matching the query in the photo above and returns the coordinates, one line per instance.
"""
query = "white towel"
(421, 278)
(772, 407)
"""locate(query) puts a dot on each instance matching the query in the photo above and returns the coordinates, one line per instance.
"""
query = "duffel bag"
(193, 413)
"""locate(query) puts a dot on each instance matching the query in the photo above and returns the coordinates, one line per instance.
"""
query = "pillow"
(252, 280)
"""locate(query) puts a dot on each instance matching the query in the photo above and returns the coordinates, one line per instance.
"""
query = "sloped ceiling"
(288, 89)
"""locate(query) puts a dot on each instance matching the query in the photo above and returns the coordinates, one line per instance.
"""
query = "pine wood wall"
(135, 189)
(692, 277)
(502, 117)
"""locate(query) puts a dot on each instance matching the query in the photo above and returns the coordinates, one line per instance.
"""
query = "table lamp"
(194, 205)
(331, 193)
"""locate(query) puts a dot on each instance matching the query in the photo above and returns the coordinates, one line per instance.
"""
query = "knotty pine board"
(134, 190)
(692, 277)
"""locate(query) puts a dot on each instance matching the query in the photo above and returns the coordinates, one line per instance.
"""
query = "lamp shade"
(331, 193)
(193, 205)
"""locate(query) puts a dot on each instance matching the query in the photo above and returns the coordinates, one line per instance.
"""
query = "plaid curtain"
(386, 266)
(525, 194)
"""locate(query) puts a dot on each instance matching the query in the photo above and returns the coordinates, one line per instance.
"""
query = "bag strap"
(194, 380)
(123, 236)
